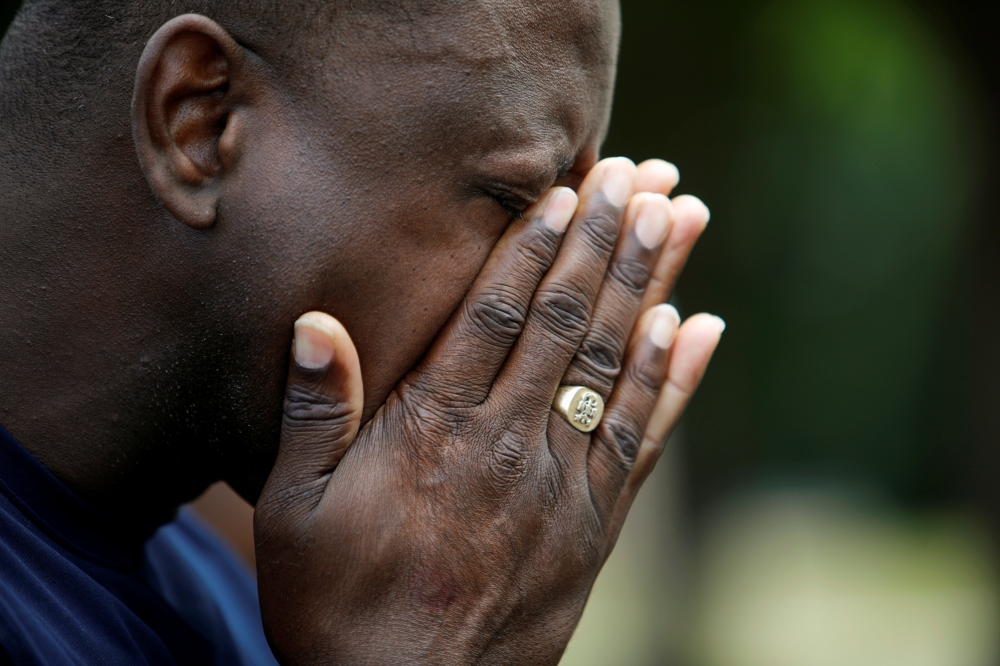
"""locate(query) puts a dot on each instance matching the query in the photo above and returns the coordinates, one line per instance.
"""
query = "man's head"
(360, 158)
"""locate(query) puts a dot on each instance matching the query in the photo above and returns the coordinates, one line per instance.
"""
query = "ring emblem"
(580, 406)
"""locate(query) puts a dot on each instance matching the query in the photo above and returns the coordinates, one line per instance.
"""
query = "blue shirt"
(78, 588)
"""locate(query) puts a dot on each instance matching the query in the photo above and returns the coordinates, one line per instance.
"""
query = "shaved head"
(65, 59)
(82, 44)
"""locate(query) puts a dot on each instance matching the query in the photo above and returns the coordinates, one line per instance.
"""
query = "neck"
(80, 396)
(89, 374)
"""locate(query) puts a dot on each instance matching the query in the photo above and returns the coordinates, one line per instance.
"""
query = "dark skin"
(464, 521)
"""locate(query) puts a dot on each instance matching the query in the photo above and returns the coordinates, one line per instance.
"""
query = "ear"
(192, 85)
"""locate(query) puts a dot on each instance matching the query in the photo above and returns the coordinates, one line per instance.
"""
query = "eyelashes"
(513, 211)
(510, 203)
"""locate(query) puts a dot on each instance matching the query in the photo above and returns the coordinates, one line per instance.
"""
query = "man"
(424, 171)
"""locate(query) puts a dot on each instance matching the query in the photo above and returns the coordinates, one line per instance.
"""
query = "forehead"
(529, 76)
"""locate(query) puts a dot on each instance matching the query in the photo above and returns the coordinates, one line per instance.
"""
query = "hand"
(467, 521)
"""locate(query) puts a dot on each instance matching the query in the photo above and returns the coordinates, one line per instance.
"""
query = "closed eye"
(511, 203)
(512, 209)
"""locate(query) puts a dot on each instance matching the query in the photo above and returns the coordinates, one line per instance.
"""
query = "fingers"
(617, 439)
(560, 312)
(463, 361)
(690, 219)
(693, 348)
(657, 176)
(598, 360)
(696, 342)
(322, 412)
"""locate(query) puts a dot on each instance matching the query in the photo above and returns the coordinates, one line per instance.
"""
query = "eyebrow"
(530, 168)
(534, 184)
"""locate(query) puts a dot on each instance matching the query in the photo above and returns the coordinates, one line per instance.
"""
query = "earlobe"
(188, 79)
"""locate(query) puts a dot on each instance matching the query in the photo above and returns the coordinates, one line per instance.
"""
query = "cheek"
(389, 247)
(403, 283)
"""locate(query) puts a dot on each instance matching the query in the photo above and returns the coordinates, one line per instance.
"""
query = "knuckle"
(601, 230)
(565, 311)
(313, 422)
(538, 250)
(632, 273)
(497, 316)
(600, 356)
(506, 461)
(446, 405)
(308, 409)
(647, 374)
(627, 439)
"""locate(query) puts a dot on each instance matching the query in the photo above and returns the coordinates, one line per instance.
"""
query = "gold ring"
(582, 407)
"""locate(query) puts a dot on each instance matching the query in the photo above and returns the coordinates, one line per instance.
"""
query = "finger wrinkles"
(621, 440)
(526, 262)
(565, 311)
(506, 463)
(646, 374)
(609, 463)
(314, 432)
(598, 361)
(442, 406)
(498, 315)
(304, 407)
(536, 252)
(632, 275)
(447, 397)
(600, 229)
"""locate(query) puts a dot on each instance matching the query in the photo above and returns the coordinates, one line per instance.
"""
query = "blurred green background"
(839, 147)
(830, 498)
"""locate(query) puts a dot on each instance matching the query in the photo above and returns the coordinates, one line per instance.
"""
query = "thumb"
(323, 404)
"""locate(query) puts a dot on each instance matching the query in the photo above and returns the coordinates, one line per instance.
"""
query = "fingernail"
(559, 209)
(657, 175)
(691, 207)
(705, 210)
(313, 345)
(672, 173)
(664, 328)
(651, 225)
(722, 323)
(618, 181)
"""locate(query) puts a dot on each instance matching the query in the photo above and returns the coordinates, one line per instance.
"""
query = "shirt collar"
(62, 515)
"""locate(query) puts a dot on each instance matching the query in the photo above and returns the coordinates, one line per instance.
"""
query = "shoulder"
(210, 588)
(54, 611)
